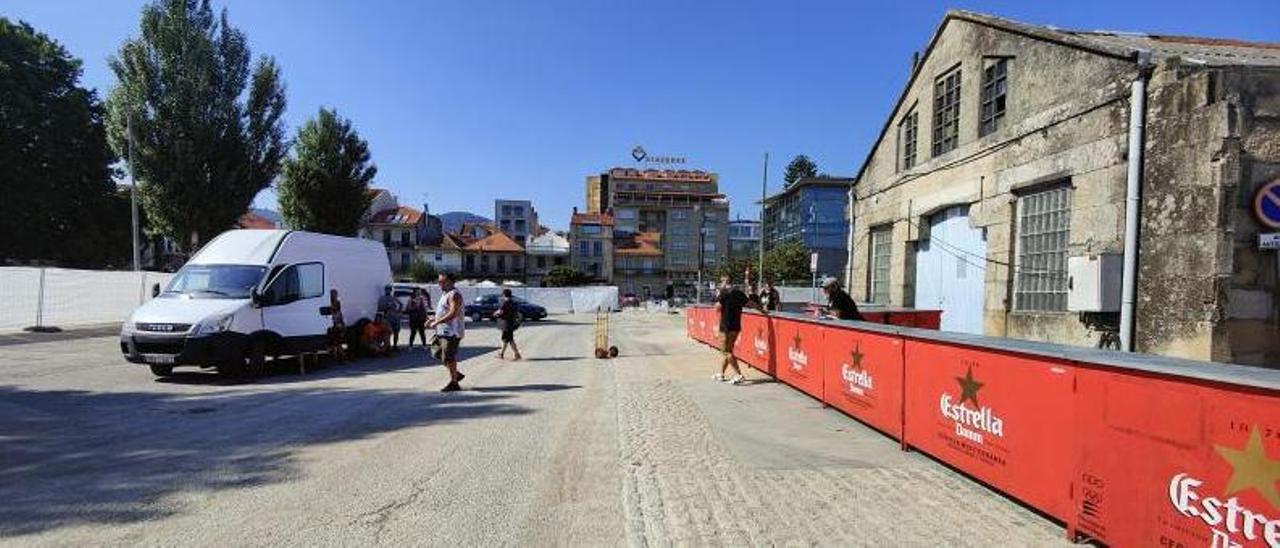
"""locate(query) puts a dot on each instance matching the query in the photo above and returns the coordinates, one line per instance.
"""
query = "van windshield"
(215, 281)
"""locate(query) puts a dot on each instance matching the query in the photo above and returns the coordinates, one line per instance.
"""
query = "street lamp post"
(702, 235)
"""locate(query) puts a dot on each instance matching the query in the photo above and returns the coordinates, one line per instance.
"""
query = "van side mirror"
(257, 298)
(155, 290)
(326, 311)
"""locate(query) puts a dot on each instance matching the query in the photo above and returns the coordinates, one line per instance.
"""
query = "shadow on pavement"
(286, 371)
(525, 388)
(79, 457)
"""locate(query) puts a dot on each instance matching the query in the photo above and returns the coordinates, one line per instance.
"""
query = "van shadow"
(77, 457)
(286, 370)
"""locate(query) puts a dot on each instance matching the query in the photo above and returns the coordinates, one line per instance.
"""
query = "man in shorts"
(389, 307)
(729, 303)
(450, 326)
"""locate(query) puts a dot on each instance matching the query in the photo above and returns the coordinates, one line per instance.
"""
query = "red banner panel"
(1005, 419)
(1170, 462)
(755, 344)
(798, 354)
(863, 377)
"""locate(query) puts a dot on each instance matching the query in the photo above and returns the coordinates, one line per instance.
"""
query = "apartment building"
(517, 218)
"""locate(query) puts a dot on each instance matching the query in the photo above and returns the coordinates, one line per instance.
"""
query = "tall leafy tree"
(207, 130)
(324, 187)
(800, 167)
(60, 204)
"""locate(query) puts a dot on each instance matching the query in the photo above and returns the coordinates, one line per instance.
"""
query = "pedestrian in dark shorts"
(450, 328)
(508, 316)
(417, 308)
(389, 306)
(729, 303)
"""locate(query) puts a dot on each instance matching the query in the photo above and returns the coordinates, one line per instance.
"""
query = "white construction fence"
(557, 300)
(61, 297)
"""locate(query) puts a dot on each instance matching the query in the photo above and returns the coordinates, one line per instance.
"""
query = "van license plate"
(158, 359)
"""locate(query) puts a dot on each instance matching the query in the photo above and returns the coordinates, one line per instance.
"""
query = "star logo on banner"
(855, 357)
(969, 387)
(1251, 469)
(795, 342)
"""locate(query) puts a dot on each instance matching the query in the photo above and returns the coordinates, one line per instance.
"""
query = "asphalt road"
(561, 449)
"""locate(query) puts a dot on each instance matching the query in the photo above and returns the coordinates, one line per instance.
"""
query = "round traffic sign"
(1266, 204)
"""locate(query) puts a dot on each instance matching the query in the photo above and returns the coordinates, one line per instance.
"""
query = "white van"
(250, 294)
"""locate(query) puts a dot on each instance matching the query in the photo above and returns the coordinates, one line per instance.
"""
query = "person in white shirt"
(450, 327)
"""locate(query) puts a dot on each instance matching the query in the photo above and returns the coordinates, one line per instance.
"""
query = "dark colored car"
(485, 305)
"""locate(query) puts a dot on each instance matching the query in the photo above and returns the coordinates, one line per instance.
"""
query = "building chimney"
(915, 62)
(575, 210)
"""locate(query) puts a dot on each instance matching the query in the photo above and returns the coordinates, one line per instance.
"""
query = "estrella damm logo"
(975, 421)
(856, 377)
(1251, 471)
(796, 355)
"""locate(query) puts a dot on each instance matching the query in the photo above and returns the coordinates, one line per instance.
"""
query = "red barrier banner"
(798, 355)
(864, 377)
(755, 344)
(1169, 462)
(1003, 418)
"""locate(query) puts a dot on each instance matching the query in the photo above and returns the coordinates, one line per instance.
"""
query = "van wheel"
(255, 357)
(477, 317)
(161, 370)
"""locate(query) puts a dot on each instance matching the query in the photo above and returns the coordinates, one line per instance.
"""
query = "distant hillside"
(453, 220)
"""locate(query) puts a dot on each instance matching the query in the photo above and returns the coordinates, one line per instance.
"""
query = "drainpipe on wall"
(1133, 198)
(848, 264)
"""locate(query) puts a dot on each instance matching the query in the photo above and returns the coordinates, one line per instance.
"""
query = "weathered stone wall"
(1067, 119)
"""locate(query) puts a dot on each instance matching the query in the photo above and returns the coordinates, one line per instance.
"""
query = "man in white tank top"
(450, 327)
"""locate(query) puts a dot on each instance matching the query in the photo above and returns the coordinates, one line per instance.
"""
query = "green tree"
(800, 167)
(566, 276)
(60, 204)
(324, 187)
(422, 272)
(787, 262)
(203, 145)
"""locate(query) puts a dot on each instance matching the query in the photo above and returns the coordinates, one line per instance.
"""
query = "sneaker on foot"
(737, 379)
(460, 377)
(451, 387)
(718, 377)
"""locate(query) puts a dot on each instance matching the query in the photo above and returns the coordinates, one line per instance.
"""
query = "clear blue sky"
(464, 102)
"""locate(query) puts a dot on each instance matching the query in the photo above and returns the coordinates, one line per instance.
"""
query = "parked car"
(485, 305)
(629, 299)
(250, 294)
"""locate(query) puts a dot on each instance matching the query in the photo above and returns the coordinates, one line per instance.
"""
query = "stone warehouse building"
(1006, 156)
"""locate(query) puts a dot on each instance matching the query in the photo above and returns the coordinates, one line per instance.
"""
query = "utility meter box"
(1093, 282)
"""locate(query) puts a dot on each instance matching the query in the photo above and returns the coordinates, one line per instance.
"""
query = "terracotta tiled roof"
(643, 244)
(253, 220)
(687, 175)
(497, 242)
(592, 219)
(400, 215)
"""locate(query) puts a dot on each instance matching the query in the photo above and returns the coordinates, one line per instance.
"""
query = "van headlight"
(214, 324)
(128, 327)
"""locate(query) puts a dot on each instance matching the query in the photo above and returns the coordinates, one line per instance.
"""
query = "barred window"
(994, 90)
(946, 112)
(1044, 222)
(881, 250)
(908, 128)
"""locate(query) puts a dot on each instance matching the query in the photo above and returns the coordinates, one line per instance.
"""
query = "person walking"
(450, 327)
(389, 307)
(840, 305)
(770, 298)
(338, 330)
(508, 316)
(417, 309)
(729, 303)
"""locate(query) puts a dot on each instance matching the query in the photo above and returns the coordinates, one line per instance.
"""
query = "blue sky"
(464, 102)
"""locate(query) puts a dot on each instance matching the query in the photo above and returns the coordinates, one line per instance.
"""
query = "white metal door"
(951, 270)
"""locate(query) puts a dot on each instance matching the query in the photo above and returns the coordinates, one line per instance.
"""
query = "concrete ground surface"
(561, 449)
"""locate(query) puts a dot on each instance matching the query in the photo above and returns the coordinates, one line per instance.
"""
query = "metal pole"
(848, 265)
(1133, 205)
(133, 197)
(701, 236)
(764, 189)
(40, 302)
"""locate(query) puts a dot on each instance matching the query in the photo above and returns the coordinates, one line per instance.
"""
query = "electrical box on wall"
(1093, 282)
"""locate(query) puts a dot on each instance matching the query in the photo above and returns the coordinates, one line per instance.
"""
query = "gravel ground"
(561, 449)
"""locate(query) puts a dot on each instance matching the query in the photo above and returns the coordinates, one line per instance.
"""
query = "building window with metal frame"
(1040, 270)
(908, 129)
(946, 112)
(881, 251)
(995, 77)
